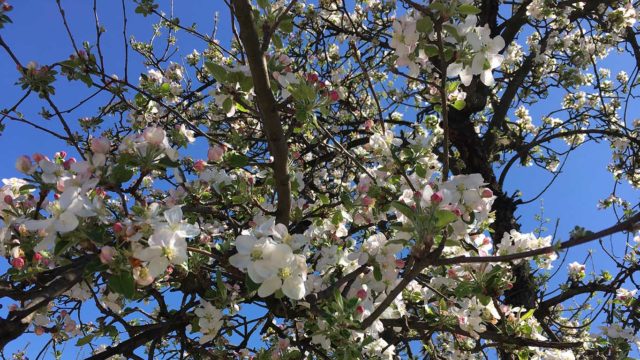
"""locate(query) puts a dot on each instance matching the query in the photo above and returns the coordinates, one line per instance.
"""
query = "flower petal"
(269, 286)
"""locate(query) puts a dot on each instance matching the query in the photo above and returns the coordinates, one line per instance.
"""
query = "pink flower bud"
(23, 164)
(436, 198)
(361, 294)
(457, 211)
(216, 153)
(368, 125)
(154, 135)
(367, 201)
(400, 263)
(56, 196)
(334, 96)
(283, 344)
(487, 193)
(200, 165)
(360, 309)
(70, 326)
(61, 154)
(67, 164)
(8, 199)
(17, 263)
(106, 254)
(37, 157)
(37, 257)
(100, 145)
(117, 227)
(205, 239)
(312, 78)
(39, 330)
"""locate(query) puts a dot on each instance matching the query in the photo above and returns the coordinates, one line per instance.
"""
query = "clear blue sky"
(38, 35)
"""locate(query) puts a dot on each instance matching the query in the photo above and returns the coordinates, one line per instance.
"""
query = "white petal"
(158, 266)
(269, 286)
(495, 60)
(163, 236)
(280, 254)
(187, 230)
(241, 261)
(487, 77)
(35, 225)
(66, 222)
(68, 197)
(466, 76)
(173, 215)
(454, 69)
(293, 287)
(245, 243)
(149, 253)
(477, 65)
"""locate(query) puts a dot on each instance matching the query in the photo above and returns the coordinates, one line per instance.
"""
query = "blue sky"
(38, 35)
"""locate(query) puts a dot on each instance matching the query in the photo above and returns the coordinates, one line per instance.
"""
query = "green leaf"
(237, 160)
(484, 299)
(468, 9)
(251, 285)
(459, 104)
(218, 72)
(62, 246)
(121, 174)
(424, 25)
(404, 209)
(444, 218)
(528, 314)
(377, 273)
(85, 340)
(123, 284)
(263, 4)
(431, 50)
(286, 25)
(277, 41)
(464, 289)
(227, 105)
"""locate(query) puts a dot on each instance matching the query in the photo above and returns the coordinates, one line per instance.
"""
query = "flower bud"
(487, 193)
(117, 227)
(37, 257)
(334, 96)
(39, 330)
(8, 199)
(437, 198)
(37, 157)
(216, 153)
(154, 135)
(100, 145)
(361, 294)
(199, 166)
(106, 254)
(17, 263)
(67, 164)
(367, 201)
(23, 164)
(368, 125)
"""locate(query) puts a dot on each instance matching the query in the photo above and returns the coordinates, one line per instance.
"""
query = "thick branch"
(268, 107)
